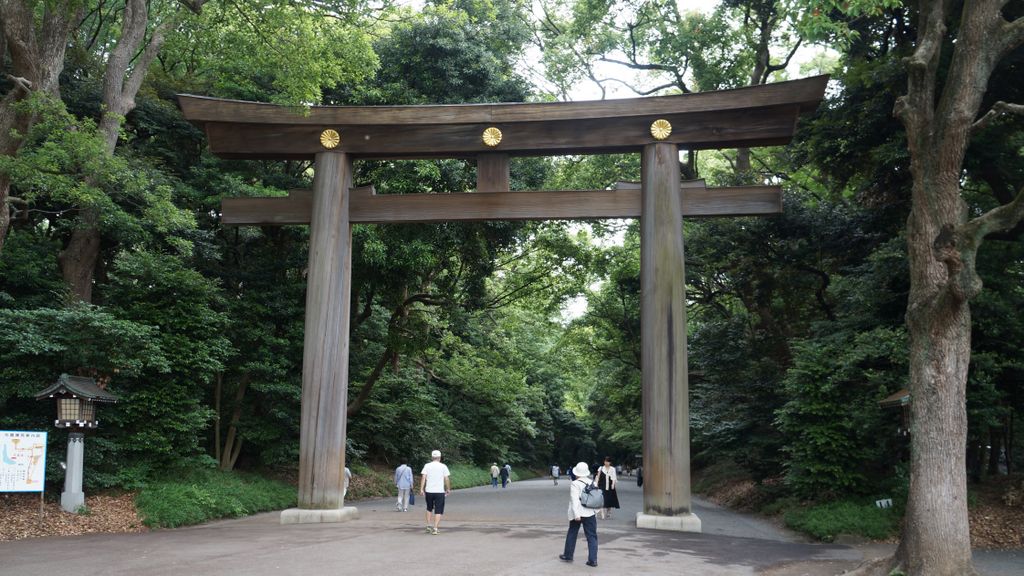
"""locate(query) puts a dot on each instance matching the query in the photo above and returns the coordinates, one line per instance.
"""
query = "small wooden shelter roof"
(78, 386)
(752, 116)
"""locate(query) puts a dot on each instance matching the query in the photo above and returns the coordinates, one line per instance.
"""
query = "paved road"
(517, 531)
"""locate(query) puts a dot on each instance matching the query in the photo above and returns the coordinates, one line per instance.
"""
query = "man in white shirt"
(555, 473)
(435, 484)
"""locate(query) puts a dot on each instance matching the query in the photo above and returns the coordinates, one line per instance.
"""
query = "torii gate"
(334, 136)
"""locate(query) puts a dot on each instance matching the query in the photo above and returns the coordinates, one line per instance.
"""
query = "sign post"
(23, 462)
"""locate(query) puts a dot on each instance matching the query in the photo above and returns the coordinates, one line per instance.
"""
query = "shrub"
(200, 496)
(826, 521)
(468, 475)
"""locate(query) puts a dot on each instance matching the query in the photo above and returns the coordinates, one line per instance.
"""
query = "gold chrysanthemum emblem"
(660, 129)
(492, 136)
(330, 139)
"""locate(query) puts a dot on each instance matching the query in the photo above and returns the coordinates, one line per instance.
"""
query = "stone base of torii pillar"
(303, 516)
(682, 523)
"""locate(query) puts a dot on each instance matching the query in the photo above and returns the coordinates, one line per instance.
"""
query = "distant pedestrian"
(435, 484)
(494, 475)
(508, 468)
(640, 476)
(580, 516)
(572, 475)
(348, 478)
(403, 481)
(504, 475)
(555, 473)
(607, 480)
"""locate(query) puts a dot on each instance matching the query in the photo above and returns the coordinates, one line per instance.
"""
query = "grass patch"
(468, 475)
(826, 521)
(204, 495)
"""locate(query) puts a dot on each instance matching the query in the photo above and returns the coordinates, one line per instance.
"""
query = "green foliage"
(63, 167)
(197, 496)
(468, 476)
(447, 56)
(838, 436)
(285, 52)
(28, 270)
(826, 521)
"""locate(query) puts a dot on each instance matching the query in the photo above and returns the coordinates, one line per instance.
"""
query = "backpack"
(592, 497)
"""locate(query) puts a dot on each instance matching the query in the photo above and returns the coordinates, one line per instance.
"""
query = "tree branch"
(1012, 34)
(776, 67)
(679, 82)
(364, 392)
(998, 110)
(997, 219)
(20, 82)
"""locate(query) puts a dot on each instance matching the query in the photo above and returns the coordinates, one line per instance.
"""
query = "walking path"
(514, 531)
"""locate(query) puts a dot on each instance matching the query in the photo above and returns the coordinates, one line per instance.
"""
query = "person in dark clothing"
(504, 476)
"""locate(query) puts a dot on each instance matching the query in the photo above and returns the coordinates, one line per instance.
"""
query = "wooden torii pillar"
(491, 133)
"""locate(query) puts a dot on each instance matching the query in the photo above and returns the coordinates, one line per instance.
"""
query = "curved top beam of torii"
(744, 117)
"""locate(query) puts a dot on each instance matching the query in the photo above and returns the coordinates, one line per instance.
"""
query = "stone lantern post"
(77, 397)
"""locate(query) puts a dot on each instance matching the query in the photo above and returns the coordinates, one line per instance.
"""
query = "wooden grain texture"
(666, 426)
(325, 344)
(492, 172)
(804, 93)
(730, 128)
(367, 207)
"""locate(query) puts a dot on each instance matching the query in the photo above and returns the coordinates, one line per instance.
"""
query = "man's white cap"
(435, 454)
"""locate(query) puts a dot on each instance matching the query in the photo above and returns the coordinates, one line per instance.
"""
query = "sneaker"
(405, 510)
(435, 532)
(429, 529)
(564, 558)
(591, 564)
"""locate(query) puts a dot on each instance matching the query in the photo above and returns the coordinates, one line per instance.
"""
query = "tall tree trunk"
(78, 259)
(942, 246)
(125, 70)
(936, 537)
(233, 444)
(36, 51)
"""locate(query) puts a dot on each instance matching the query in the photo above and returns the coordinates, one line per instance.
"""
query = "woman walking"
(580, 516)
(607, 481)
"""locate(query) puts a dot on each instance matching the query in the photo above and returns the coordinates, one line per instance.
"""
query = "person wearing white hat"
(435, 484)
(580, 516)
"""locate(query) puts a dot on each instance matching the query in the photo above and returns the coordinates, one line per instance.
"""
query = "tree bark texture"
(941, 246)
(36, 52)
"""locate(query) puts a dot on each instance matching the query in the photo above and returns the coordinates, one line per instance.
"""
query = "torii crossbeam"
(335, 136)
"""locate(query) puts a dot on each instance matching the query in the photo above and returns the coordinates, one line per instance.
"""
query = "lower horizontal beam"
(367, 207)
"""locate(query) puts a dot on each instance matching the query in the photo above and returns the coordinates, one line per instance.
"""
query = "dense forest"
(472, 338)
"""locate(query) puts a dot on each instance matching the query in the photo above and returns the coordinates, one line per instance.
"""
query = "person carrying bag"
(580, 515)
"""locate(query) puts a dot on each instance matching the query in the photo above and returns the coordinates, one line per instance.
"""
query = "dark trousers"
(589, 524)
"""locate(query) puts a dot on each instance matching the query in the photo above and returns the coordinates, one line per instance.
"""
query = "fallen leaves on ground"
(995, 525)
(19, 517)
